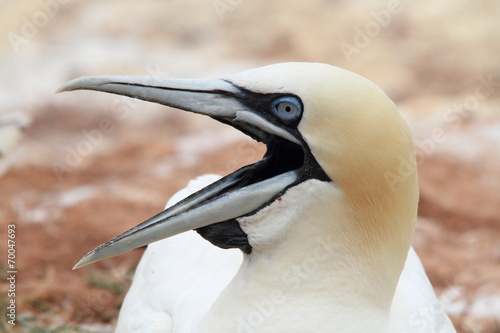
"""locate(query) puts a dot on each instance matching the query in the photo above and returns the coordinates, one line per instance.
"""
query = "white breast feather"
(179, 277)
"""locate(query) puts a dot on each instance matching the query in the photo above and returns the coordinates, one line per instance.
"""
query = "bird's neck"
(330, 265)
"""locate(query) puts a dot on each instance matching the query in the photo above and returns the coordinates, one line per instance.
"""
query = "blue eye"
(287, 108)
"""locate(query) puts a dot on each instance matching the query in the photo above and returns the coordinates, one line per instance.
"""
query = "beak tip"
(83, 262)
(71, 85)
(84, 82)
(60, 90)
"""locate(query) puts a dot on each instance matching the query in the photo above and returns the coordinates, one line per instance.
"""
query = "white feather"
(179, 279)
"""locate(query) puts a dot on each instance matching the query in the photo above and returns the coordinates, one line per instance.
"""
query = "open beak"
(241, 193)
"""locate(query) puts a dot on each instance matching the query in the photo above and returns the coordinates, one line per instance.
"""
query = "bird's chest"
(278, 311)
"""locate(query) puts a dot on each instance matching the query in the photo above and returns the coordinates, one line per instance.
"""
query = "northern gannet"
(322, 225)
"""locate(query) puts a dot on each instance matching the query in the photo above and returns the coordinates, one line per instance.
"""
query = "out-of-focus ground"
(91, 165)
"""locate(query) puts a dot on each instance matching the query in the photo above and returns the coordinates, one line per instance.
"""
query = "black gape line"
(281, 156)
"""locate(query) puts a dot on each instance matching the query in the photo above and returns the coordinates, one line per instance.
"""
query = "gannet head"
(338, 165)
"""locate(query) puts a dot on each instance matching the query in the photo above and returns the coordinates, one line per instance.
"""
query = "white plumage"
(167, 285)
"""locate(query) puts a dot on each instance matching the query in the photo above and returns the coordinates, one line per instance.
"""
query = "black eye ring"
(287, 108)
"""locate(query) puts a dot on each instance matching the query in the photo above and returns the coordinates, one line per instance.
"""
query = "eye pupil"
(286, 108)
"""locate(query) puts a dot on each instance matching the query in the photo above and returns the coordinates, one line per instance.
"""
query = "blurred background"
(79, 168)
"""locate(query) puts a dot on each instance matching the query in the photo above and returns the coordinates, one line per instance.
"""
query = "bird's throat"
(226, 235)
